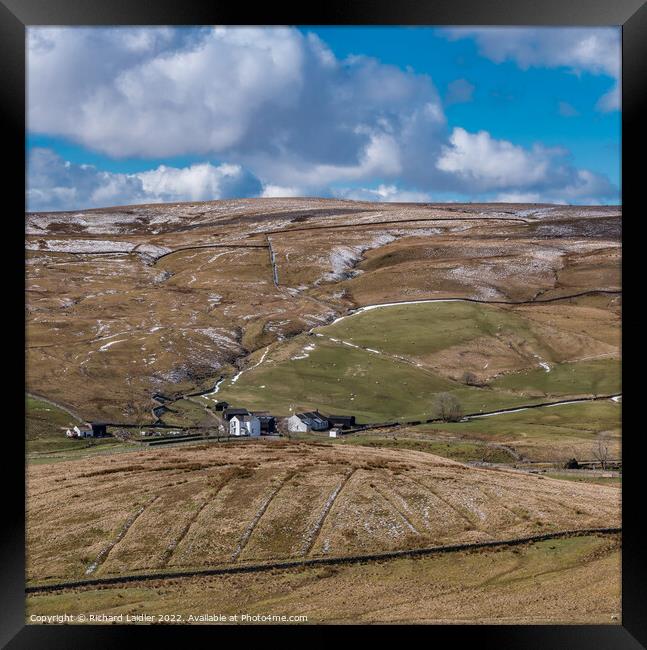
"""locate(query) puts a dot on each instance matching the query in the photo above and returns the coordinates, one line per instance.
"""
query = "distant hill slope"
(125, 302)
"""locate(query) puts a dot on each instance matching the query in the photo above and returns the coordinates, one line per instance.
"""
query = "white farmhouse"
(84, 431)
(244, 425)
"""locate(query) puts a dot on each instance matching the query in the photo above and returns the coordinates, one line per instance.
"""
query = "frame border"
(16, 15)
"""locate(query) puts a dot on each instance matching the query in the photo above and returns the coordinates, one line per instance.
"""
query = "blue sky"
(128, 115)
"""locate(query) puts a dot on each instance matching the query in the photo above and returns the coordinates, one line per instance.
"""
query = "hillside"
(126, 302)
(207, 506)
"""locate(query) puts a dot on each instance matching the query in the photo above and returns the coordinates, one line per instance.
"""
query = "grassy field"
(455, 450)
(340, 379)
(420, 330)
(44, 433)
(388, 364)
(598, 377)
(615, 481)
(572, 580)
(551, 434)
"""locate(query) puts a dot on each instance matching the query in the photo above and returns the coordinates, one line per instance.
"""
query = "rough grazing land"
(574, 580)
(124, 302)
(250, 502)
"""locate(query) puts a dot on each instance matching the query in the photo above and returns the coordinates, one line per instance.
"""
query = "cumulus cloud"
(287, 116)
(272, 99)
(611, 100)
(518, 197)
(383, 193)
(579, 49)
(489, 164)
(485, 164)
(56, 184)
(280, 191)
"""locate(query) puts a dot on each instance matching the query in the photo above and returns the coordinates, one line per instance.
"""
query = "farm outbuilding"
(99, 429)
(309, 421)
(268, 423)
(343, 421)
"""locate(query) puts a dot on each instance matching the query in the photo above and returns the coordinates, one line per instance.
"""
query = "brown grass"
(393, 499)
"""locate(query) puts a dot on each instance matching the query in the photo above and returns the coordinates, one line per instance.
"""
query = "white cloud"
(485, 164)
(491, 164)
(280, 191)
(287, 115)
(383, 193)
(518, 197)
(580, 49)
(596, 50)
(272, 99)
(611, 100)
(55, 184)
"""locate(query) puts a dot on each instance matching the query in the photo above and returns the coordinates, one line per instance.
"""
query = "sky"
(119, 116)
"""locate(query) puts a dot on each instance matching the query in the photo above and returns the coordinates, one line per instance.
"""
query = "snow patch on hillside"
(344, 258)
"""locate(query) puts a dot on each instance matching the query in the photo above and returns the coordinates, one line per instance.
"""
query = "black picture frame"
(16, 15)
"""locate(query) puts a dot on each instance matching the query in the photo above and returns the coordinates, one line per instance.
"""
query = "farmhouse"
(88, 430)
(228, 413)
(309, 421)
(244, 425)
(83, 431)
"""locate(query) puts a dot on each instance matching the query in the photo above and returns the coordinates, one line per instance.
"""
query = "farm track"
(313, 535)
(185, 531)
(105, 552)
(465, 514)
(59, 405)
(257, 517)
(319, 561)
(387, 498)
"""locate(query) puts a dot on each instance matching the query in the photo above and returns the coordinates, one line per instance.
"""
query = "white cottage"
(80, 432)
(244, 425)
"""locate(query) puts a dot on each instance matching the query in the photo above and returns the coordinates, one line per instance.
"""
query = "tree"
(206, 424)
(470, 379)
(447, 407)
(602, 453)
